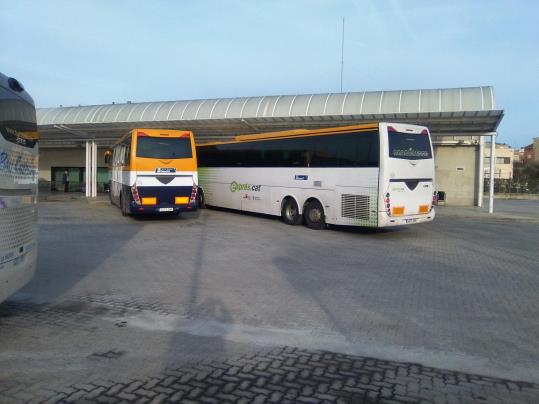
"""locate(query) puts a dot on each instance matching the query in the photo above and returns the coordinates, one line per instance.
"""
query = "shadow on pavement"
(68, 253)
(208, 313)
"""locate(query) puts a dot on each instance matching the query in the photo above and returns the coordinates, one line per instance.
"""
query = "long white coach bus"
(18, 186)
(154, 171)
(373, 175)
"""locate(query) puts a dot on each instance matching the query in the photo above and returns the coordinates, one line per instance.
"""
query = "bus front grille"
(355, 206)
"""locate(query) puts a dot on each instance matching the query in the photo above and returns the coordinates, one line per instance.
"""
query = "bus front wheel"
(314, 215)
(290, 212)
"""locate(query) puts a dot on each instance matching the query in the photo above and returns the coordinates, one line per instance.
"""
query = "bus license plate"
(410, 220)
(165, 209)
(165, 170)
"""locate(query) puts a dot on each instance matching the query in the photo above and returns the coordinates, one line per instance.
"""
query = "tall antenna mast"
(342, 51)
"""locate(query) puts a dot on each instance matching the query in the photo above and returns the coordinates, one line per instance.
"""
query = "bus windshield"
(164, 148)
(409, 146)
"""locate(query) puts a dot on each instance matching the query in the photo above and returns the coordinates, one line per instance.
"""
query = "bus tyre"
(290, 212)
(200, 200)
(314, 215)
(124, 206)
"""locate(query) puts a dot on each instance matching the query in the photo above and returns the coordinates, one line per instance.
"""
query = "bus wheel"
(314, 215)
(200, 200)
(290, 212)
(124, 206)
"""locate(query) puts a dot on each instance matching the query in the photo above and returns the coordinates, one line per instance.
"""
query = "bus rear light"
(398, 211)
(391, 129)
(135, 194)
(424, 208)
(194, 193)
(181, 200)
(424, 132)
(434, 198)
(149, 200)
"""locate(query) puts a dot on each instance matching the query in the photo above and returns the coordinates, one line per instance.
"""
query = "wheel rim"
(315, 215)
(290, 212)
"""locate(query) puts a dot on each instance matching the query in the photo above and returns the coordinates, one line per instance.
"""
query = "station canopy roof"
(451, 110)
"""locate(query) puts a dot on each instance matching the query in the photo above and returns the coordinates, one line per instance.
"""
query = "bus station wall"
(457, 173)
(63, 157)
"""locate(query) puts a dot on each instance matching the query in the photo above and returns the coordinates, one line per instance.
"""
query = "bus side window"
(308, 155)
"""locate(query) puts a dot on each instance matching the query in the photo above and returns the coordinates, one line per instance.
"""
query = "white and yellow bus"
(18, 186)
(373, 175)
(154, 171)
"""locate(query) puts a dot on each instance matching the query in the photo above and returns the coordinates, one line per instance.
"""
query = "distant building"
(518, 154)
(529, 152)
(503, 166)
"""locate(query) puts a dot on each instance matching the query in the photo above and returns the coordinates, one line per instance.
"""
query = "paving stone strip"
(287, 375)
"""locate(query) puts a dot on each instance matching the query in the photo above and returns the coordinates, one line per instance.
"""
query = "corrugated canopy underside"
(443, 110)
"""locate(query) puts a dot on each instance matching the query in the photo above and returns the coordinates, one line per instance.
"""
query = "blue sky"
(92, 52)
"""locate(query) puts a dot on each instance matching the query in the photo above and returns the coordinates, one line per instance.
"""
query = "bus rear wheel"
(314, 215)
(201, 202)
(290, 212)
(124, 205)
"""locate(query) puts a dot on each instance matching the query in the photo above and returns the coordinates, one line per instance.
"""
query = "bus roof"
(294, 132)
(156, 132)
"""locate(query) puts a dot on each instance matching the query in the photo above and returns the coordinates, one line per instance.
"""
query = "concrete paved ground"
(121, 300)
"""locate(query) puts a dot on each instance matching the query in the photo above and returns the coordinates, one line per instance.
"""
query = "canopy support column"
(481, 173)
(87, 170)
(91, 169)
(492, 174)
(94, 169)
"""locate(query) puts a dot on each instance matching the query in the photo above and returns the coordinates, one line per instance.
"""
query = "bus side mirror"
(108, 155)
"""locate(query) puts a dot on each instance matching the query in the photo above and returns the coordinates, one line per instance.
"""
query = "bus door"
(407, 175)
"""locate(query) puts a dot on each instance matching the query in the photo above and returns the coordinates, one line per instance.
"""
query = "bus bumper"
(161, 200)
(386, 221)
(157, 209)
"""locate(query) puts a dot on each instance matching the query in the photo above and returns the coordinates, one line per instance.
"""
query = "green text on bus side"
(236, 187)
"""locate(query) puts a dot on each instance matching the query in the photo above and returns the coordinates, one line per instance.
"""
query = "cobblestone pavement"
(276, 375)
(287, 374)
(222, 307)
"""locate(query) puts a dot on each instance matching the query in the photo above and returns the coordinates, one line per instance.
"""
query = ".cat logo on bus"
(165, 170)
